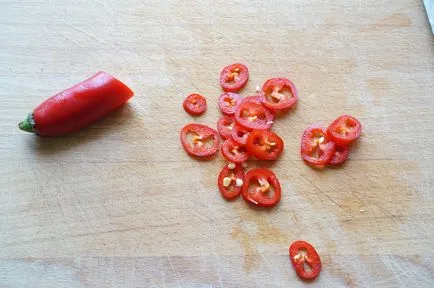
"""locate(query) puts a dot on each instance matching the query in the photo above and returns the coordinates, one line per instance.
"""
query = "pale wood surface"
(120, 204)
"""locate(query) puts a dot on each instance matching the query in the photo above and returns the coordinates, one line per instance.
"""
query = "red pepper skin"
(78, 106)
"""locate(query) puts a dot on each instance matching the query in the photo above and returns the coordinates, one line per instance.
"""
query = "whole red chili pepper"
(78, 106)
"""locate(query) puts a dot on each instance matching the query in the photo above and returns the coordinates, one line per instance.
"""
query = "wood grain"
(120, 204)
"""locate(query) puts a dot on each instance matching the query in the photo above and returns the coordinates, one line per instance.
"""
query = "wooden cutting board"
(120, 204)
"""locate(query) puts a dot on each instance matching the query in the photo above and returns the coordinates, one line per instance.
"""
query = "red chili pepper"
(78, 106)
(316, 147)
(301, 254)
(264, 145)
(231, 180)
(199, 140)
(344, 130)
(234, 152)
(279, 94)
(228, 102)
(234, 77)
(261, 187)
(252, 116)
(195, 104)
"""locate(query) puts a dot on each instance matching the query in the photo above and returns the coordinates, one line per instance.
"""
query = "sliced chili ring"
(316, 148)
(194, 104)
(240, 134)
(230, 180)
(199, 140)
(234, 77)
(225, 125)
(261, 187)
(302, 254)
(279, 94)
(340, 156)
(264, 145)
(228, 102)
(234, 152)
(252, 115)
(258, 99)
(344, 130)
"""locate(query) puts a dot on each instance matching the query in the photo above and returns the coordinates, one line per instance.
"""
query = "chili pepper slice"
(305, 259)
(240, 134)
(316, 148)
(261, 187)
(225, 125)
(340, 156)
(234, 152)
(234, 77)
(78, 106)
(258, 99)
(195, 104)
(228, 102)
(231, 180)
(252, 115)
(199, 140)
(279, 94)
(264, 145)
(344, 130)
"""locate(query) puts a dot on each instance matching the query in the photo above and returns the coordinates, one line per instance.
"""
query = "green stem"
(28, 124)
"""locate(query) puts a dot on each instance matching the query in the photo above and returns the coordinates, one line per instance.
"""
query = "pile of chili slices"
(245, 128)
(321, 147)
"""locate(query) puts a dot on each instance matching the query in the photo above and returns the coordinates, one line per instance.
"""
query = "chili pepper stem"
(28, 124)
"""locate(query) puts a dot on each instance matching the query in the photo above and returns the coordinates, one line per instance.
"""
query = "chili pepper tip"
(27, 124)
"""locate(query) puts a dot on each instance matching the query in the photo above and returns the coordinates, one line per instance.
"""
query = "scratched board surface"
(120, 204)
